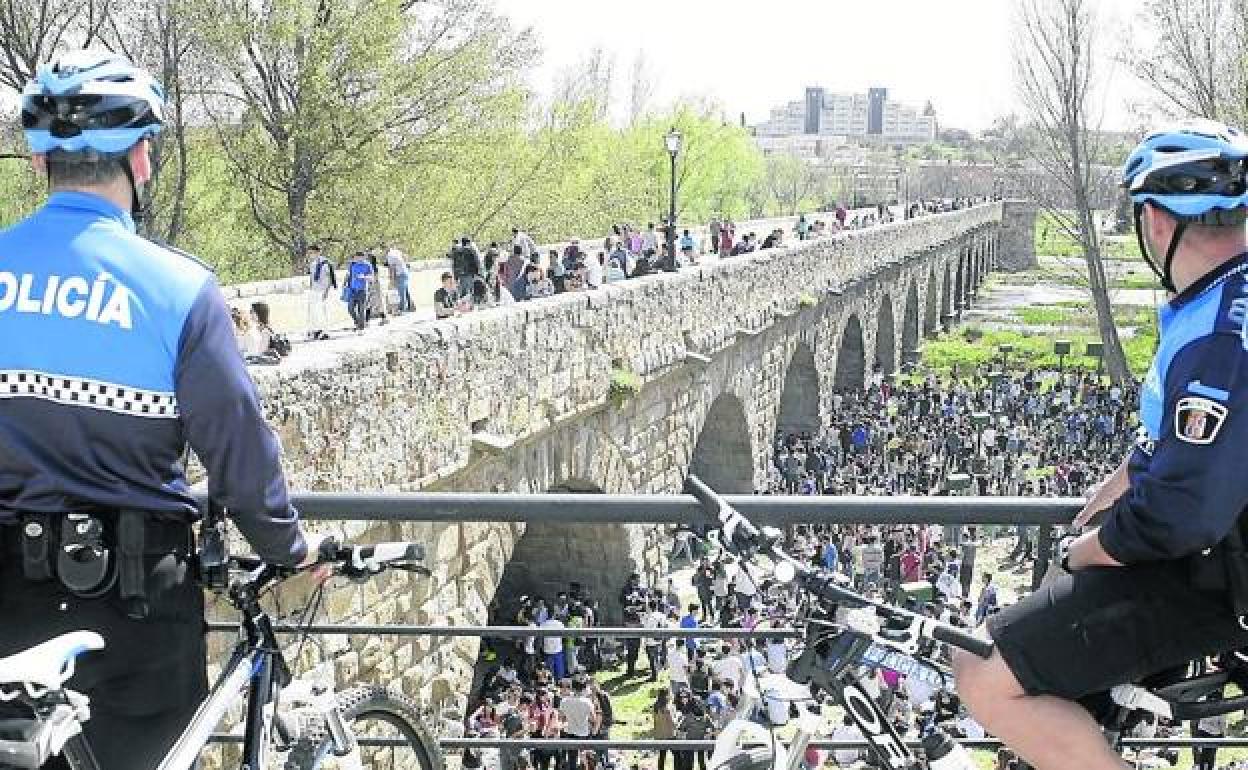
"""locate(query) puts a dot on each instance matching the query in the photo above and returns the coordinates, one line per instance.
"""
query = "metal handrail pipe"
(454, 507)
(453, 744)
(521, 632)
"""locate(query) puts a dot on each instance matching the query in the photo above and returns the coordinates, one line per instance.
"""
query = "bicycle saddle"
(51, 664)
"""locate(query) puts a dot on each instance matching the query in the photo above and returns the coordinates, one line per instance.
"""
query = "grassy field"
(1052, 240)
(1080, 314)
(972, 346)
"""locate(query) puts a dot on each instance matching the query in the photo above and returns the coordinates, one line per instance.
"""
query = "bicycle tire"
(362, 704)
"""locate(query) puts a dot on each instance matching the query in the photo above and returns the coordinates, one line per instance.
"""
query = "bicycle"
(845, 630)
(322, 731)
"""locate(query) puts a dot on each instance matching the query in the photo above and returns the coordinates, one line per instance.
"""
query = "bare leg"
(1049, 732)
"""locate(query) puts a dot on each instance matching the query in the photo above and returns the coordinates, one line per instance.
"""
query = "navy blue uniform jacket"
(115, 353)
(1189, 475)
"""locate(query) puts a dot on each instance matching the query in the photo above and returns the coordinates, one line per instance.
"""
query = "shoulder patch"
(1198, 420)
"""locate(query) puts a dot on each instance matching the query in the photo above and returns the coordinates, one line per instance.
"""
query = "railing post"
(1044, 553)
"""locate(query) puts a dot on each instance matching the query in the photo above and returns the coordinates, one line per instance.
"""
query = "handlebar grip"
(328, 551)
(385, 553)
(963, 640)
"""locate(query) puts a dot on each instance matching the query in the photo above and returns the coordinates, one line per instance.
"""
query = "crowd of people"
(376, 284)
(1032, 432)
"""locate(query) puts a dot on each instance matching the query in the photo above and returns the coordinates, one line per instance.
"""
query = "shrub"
(624, 385)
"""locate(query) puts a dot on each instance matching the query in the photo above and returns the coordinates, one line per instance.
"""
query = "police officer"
(1161, 581)
(115, 353)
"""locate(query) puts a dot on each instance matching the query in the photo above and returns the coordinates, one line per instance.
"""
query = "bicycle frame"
(835, 675)
(255, 671)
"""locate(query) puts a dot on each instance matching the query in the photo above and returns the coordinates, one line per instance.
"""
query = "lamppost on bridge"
(672, 140)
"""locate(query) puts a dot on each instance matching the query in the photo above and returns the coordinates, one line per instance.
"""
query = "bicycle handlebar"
(741, 536)
(350, 560)
(961, 639)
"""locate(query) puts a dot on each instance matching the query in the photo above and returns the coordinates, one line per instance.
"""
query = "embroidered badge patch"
(1198, 420)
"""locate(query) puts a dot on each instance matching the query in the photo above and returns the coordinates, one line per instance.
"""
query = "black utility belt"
(93, 553)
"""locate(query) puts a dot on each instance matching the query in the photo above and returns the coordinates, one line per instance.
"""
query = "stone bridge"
(621, 390)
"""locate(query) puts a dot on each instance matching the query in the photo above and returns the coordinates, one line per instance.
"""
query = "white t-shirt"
(744, 583)
(973, 730)
(530, 642)
(920, 692)
(593, 272)
(731, 669)
(754, 663)
(719, 586)
(846, 757)
(654, 619)
(777, 657)
(949, 585)
(552, 645)
(678, 664)
(577, 712)
(777, 707)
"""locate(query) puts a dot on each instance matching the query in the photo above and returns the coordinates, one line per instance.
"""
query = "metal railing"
(680, 510)
(776, 510)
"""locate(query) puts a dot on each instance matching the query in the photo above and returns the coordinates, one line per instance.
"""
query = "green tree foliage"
(365, 122)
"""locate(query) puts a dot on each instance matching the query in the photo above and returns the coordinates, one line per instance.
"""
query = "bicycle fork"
(341, 738)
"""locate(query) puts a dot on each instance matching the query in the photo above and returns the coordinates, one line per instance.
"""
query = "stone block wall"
(1018, 241)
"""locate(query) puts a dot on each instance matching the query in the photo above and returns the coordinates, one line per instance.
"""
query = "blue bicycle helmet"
(1196, 172)
(90, 101)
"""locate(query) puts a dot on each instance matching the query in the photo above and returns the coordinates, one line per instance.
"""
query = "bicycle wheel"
(370, 712)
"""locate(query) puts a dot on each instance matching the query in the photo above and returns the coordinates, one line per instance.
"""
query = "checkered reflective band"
(92, 394)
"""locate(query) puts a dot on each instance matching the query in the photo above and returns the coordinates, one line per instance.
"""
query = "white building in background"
(870, 116)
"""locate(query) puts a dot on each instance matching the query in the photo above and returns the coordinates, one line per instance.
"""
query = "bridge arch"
(723, 456)
(799, 401)
(910, 322)
(931, 311)
(885, 337)
(851, 356)
(548, 553)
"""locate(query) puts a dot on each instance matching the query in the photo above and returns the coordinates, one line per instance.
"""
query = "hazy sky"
(752, 55)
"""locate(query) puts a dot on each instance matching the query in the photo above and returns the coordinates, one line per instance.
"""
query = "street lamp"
(1062, 349)
(673, 141)
(1006, 349)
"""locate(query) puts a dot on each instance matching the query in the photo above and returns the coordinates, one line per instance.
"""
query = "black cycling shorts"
(1096, 628)
(147, 682)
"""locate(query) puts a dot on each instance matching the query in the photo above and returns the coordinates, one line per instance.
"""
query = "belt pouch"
(132, 582)
(36, 549)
